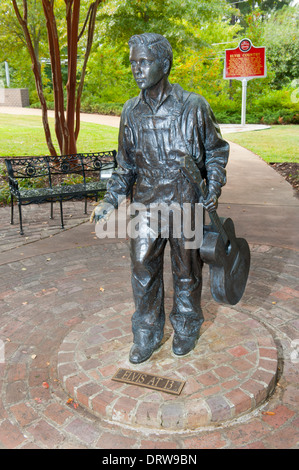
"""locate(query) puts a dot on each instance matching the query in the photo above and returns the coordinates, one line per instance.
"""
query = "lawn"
(277, 144)
(24, 135)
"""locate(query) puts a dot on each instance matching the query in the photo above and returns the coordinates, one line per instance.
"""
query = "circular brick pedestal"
(230, 372)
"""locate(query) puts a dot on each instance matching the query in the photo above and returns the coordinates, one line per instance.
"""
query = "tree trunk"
(61, 129)
(66, 131)
(72, 29)
(37, 74)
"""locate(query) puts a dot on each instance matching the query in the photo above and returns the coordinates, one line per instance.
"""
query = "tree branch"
(86, 21)
(92, 13)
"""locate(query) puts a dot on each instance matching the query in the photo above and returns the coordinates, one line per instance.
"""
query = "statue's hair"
(158, 44)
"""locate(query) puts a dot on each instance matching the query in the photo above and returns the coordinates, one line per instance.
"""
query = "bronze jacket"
(152, 144)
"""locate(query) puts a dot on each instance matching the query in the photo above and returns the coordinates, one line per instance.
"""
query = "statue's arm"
(123, 178)
(216, 152)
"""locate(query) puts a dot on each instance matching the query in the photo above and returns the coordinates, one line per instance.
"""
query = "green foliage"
(4, 188)
(199, 32)
(283, 46)
(107, 78)
(123, 18)
(273, 107)
(12, 43)
(277, 107)
(91, 105)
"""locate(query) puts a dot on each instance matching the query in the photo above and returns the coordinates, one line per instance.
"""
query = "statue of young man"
(159, 127)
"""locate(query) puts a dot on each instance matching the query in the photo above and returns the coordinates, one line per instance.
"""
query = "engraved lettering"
(164, 384)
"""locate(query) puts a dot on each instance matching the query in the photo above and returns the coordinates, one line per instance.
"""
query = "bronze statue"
(160, 129)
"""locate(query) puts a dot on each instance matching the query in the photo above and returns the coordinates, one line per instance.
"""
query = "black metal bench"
(58, 179)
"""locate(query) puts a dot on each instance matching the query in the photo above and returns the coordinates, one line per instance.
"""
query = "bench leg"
(61, 213)
(21, 222)
(11, 210)
(51, 213)
(85, 208)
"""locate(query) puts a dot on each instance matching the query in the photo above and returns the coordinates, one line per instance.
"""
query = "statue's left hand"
(211, 202)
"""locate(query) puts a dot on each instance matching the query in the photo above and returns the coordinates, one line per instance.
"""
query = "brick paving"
(232, 370)
(37, 224)
(65, 304)
(77, 303)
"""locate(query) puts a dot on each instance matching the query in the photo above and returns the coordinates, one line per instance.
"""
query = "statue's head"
(158, 45)
(151, 59)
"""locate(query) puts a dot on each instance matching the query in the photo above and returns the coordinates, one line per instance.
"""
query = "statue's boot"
(145, 343)
(183, 344)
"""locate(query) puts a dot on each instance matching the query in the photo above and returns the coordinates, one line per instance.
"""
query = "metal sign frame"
(245, 49)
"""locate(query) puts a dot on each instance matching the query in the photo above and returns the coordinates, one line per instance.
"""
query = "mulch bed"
(290, 171)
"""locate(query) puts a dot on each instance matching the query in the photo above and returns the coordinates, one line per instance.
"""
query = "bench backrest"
(80, 164)
(104, 162)
(27, 167)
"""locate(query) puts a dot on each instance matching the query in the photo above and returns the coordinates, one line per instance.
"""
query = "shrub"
(91, 106)
(272, 107)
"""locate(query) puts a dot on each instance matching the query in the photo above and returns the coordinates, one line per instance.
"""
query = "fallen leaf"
(268, 413)
(75, 405)
(102, 289)
(45, 385)
(38, 400)
(33, 356)
(48, 259)
(24, 269)
(69, 401)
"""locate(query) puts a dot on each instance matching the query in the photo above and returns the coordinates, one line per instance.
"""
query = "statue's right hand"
(102, 212)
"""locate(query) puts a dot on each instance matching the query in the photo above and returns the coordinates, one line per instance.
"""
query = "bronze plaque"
(155, 382)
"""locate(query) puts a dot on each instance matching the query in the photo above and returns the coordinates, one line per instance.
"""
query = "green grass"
(24, 135)
(277, 144)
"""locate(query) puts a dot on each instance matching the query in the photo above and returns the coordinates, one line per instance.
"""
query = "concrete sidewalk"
(58, 286)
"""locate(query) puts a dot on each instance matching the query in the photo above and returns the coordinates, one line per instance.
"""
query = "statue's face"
(146, 68)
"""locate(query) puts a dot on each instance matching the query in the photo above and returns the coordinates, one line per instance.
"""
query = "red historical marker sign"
(245, 61)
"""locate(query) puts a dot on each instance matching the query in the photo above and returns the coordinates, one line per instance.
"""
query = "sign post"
(244, 63)
(244, 97)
